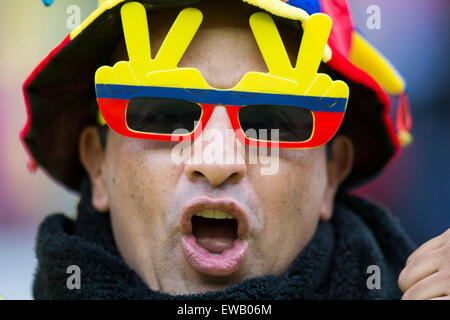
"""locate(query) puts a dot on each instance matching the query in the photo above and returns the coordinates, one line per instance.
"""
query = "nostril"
(196, 175)
(215, 174)
(235, 177)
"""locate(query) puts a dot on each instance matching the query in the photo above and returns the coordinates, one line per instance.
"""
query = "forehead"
(223, 49)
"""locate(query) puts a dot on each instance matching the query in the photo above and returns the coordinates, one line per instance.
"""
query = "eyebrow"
(227, 97)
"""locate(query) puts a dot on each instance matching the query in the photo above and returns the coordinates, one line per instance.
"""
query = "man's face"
(152, 200)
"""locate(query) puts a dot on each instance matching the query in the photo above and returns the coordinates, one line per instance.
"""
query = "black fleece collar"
(332, 266)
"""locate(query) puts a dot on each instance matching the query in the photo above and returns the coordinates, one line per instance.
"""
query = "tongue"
(215, 235)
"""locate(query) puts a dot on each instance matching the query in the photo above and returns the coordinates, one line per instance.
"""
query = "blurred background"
(414, 35)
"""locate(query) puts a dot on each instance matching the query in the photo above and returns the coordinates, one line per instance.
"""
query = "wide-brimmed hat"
(60, 91)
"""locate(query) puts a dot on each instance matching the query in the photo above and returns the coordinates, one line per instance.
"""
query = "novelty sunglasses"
(154, 99)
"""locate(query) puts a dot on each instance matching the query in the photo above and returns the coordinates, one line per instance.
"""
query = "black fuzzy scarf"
(332, 266)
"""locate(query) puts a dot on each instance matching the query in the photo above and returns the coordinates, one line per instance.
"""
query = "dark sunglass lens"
(294, 124)
(162, 115)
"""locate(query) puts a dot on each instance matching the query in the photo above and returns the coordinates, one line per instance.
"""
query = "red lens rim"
(325, 126)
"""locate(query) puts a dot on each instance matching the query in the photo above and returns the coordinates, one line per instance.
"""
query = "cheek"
(141, 175)
(140, 178)
(291, 201)
(299, 184)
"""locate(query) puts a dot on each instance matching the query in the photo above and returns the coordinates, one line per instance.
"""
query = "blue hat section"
(310, 6)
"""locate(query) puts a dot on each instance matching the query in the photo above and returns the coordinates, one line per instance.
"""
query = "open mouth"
(214, 230)
(214, 235)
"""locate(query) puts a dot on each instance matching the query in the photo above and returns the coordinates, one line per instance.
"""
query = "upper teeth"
(214, 214)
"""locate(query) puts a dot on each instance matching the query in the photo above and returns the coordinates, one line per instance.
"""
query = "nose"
(227, 165)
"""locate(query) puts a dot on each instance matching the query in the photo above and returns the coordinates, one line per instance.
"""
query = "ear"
(92, 157)
(338, 168)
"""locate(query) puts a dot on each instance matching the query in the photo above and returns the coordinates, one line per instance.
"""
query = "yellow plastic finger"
(316, 32)
(182, 77)
(265, 83)
(106, 75)
(137, 38)
(319, 86)
(178, 39)
(339, 89)
(125, 74)
(270, 44)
